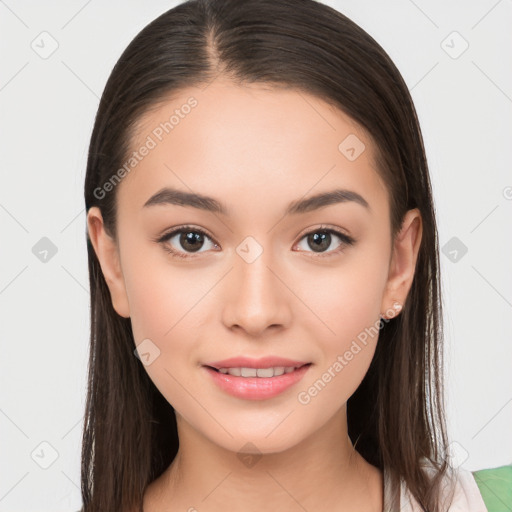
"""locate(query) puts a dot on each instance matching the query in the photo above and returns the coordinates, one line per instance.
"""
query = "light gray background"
(47, 112)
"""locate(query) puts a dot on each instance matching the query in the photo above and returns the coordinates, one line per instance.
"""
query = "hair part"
(396, 416)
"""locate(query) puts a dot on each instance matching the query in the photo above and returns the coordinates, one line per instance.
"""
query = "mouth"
(249, 372)
(256, 383)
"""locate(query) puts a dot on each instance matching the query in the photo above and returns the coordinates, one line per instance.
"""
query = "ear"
(107, 253)
(403, 263)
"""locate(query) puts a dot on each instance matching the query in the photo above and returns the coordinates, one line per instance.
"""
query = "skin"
(256, 149)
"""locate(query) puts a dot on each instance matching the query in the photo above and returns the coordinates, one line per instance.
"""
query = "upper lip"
(263, 362)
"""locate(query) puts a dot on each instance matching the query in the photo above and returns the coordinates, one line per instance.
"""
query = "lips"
(250, 379)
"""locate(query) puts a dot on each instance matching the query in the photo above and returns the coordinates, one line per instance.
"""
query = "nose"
(257, 297)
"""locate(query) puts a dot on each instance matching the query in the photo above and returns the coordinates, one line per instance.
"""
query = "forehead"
(242, 112)
(249, 142)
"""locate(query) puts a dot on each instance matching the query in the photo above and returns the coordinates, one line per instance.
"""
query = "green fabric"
(495, 485)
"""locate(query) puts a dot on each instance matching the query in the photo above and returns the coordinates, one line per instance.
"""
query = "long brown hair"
(396, 416)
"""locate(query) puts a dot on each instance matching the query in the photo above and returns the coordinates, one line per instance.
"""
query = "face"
(259, 275)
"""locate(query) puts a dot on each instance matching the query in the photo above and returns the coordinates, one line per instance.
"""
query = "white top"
(466, 494)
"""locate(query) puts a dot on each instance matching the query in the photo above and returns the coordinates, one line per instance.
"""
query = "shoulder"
(459, 493)
(466, 494)
(495, 485)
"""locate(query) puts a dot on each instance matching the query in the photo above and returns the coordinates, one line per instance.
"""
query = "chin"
(258, 440)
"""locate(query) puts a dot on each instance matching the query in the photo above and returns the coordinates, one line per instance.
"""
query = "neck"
(323, 470)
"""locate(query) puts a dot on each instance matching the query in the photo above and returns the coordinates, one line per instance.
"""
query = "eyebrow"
(168, 195)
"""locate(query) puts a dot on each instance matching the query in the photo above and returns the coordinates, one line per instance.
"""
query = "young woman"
(265, 290)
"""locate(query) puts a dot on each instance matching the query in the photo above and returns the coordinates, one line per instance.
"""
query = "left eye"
(191, 239)
(321, 238)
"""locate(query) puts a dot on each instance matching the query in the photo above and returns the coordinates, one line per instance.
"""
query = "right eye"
(189, 238)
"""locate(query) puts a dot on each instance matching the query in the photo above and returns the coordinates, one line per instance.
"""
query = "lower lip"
(256, 388)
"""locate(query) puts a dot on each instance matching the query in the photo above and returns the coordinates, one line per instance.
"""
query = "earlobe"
(403, 262)
(107, 253)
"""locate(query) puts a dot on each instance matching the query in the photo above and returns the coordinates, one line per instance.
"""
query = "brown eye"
(191, 240)
(188, 240)
(321, 239)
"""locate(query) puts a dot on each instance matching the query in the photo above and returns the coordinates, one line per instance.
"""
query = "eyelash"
(346, 240)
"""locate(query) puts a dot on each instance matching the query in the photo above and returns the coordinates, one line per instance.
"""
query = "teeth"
(248, 372)
(257, 372)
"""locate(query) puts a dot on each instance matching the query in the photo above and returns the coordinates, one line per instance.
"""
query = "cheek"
(344, 300)
(163, 295)
(347, 301)
(168, 307)
(345, 334)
